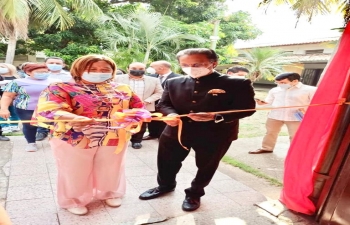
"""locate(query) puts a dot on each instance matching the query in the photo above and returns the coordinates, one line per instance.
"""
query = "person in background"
(8, 72)
(210, 135)
(24, 93)
(2, 137)
(88, 167)
(162, 71)
(55, 66)
(147, 88)
(289, 92)
(238, 72)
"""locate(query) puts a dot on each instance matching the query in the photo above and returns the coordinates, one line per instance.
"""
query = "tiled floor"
(31, 197)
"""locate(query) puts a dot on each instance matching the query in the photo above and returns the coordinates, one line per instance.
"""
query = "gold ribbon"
(134, 128)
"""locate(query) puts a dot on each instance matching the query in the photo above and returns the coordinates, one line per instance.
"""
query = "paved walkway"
(32, 191)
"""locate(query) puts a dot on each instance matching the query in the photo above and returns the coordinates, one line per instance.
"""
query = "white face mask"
(284, 86)
(196, 72)
(150, 70)
(96, 77)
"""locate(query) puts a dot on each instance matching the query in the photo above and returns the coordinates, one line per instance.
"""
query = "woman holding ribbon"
(24, 94)
(88, 145)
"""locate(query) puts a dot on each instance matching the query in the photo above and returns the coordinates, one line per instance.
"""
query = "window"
(316, 51)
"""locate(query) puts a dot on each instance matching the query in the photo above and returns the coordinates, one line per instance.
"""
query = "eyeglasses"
(194, 65)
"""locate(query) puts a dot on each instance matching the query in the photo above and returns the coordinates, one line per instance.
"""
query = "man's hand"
(260, 102)
(5, 113)
(81, 122)
(202, 117)
(174, 122)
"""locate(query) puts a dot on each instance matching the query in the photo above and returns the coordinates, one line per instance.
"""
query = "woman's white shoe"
(78, 210)
(113, 202)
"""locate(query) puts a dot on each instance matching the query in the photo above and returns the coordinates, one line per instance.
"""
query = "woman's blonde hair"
(12, 69)
(85, 62)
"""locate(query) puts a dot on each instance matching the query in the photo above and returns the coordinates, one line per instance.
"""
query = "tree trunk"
(11, 48)
(148, 52)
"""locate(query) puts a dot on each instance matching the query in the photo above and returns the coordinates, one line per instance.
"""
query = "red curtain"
(308, 146)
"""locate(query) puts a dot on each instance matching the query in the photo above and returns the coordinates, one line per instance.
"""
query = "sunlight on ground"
(186, 219)
(230, 220)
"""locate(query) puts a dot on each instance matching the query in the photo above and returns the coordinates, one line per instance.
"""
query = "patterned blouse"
(99, 101)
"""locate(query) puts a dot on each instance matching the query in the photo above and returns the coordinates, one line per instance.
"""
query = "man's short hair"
(289, 76)
(54, 57)
(236, 69)
(211, 54)
(163, 63)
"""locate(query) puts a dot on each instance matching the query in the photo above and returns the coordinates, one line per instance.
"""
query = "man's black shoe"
(136, 145)
(148, 137)
(154, 193)
(191, 204)
(40, 136)
(3, 138)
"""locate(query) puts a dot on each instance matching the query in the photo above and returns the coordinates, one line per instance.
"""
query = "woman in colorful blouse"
(24, 94)
(84, 149)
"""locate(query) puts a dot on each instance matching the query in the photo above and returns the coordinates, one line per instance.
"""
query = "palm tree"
(143, 31)
(263, 63)
(311, 8)
(15, 17)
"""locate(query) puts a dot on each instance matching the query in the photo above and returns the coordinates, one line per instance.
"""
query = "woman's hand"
(78, 123)
(5, 113)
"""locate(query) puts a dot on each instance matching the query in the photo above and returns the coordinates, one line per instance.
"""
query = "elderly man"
(147, 88)
(162, 71)
(199, 94)
(289, 92)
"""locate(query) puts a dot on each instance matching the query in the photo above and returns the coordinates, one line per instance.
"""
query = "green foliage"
(190, 11)
(263, 62)
(143, 31)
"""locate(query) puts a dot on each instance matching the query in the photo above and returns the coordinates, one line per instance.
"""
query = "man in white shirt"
(147, 88)
(162, 71)
(239, 72)
(56, 65)
(290, 92)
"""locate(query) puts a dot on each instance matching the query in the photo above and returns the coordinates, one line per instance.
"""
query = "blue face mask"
(41, 76)
(3, 70)
(54, 67)
(96, 77)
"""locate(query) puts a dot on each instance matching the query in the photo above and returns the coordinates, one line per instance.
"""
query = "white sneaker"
(113, 202)
(31, 147)
(15, 128)
(6, 130)
(78, 210)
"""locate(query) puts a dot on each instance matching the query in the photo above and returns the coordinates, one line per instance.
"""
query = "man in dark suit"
(163, 73)
(200, 94)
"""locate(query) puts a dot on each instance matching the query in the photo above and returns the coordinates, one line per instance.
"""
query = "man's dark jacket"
(183, 95)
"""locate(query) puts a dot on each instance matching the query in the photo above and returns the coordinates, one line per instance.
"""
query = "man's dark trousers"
(208, 156)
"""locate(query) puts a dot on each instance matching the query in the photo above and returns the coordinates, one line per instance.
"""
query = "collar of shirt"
(299, 84)
(136, 79)
(165, 75)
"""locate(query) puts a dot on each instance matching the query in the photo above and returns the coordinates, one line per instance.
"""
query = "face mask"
(137, 73)
(41, 76)
(96, 77)
(196, 72)
(3, 70)
(54, 67)
(284, 86)
(150, 70)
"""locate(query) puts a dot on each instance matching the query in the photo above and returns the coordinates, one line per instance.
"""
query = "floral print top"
(99, 101)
